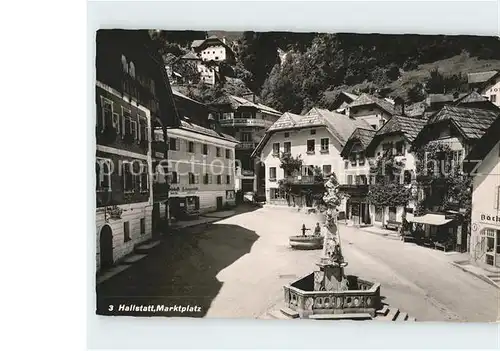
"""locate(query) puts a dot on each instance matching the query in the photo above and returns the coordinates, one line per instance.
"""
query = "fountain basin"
(301, 242)
(362, 297)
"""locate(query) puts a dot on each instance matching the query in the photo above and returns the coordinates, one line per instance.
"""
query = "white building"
(395, 138)
(201, 170)
(483, 163)
(487, 84)
(318, 137)
(371, 109)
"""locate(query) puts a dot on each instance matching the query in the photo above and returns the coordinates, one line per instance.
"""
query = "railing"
(303, 180)
(245, 145)
(245, 122)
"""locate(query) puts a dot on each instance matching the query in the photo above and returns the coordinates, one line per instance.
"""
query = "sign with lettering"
(183, 190)
(230, 194)
(490, 218)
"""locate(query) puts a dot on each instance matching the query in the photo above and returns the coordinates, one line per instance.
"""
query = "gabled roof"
(416, 109)
(350, 95)
(187, 125)
(339, 125)
(362, 135)
(236, 102)
(181, 95)
(190, 56)
(472, 122)
(480, 77)
(197, 43)
(483, 146)
(472, 97)
(365, 99)
(407, 126)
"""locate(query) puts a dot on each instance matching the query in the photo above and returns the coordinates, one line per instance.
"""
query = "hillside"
(295, 71)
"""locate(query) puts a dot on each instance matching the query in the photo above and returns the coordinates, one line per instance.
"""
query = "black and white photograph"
(289, 175)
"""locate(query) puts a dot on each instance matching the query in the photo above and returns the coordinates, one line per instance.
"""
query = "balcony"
(246, 145)
(245, 122)
(304, 180)
(355, 189)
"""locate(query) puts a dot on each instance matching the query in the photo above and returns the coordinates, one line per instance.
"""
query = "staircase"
(385, 314)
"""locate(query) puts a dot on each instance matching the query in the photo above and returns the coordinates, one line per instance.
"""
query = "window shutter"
(177, 144)
(196, 179)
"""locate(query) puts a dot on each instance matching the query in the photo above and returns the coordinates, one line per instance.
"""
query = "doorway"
(106, 247)
(219, 203)
(392, 214)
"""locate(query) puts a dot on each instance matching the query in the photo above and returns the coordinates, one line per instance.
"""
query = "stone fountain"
(328, 293)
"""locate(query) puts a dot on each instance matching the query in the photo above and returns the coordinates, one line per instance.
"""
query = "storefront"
(486, 232)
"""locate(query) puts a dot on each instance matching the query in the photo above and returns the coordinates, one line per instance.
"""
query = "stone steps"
(393, 314)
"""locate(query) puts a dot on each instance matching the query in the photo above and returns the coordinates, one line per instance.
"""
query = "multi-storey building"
(247, 121)
(459, 129)
(394, 140)
(213, 49)
(318, 137)
(483, 164)
(373, 110)
(487, 84)
(357, 175)
(201, 164)
(132, 97)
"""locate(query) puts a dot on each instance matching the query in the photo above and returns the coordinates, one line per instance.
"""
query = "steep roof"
(471, 98)
(197, 43)
(341, 126)
(350, 95)
(365, 99)
(187, 125)
(484, 145)
(416, 109)
(190, 56)
(472, 122)
(480, 77)
(407, 126)
(364, 136)
(181, 95)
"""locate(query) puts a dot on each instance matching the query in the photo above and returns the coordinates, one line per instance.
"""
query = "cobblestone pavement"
(238, 266)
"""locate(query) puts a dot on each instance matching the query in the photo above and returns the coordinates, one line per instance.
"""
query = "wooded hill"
(295, 71)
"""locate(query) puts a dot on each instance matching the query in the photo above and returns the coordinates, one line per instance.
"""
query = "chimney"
(399, 105)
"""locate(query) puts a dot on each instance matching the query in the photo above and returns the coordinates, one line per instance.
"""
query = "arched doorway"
(106, 247)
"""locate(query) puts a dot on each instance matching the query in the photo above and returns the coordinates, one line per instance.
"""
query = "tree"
(416, 93)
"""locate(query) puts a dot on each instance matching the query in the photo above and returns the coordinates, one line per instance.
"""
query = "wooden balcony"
(245, 122)
(246, 145)
(304, 180)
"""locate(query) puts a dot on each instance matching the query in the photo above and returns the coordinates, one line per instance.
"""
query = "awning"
(432, 219)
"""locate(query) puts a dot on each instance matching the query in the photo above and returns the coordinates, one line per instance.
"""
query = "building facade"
(483, 164)
(246, 121)
(371, 109)
(201, 165)
(132, 95)
(487, 84)
(318, 137)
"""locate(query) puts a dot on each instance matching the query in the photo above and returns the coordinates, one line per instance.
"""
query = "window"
(349, 179)
(346, 164)
(228, 179)
(245, 136)
(173, 144)
(128, 178)
(124, 64)
(313, 131)
(228, 153)
(457, 156)
(106, 113)
(191, 146)
(287, 135)
(493, 98)
(143, 177)
(327, 169)
(219, 179)
(361, 158)
(400, 148)
(308, 170)
(310, 146)
(272, 173)
(276, 149)
(191, 178)
(407, 177)
(217, 151)
(205, 149)
(174, 178)
(143, 226)
(143, 130)
(126, 231)
(287, 146)
(276, 194)
(325, 144)
(131, 70)
(205, 178)
(126, 118)
(103, 174)
(133, 129)
(246, 114)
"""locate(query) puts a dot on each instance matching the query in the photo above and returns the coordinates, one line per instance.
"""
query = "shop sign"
(490, 218)
(184, 190)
